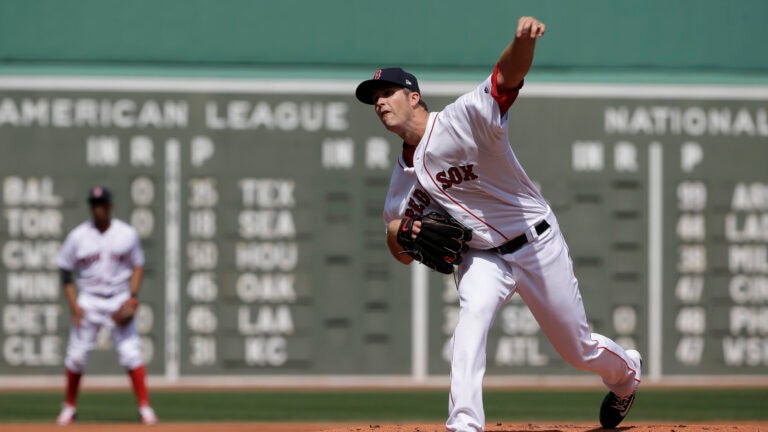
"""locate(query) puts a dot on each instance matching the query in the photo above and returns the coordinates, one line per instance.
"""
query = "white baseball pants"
(98, 313)
(542, 273)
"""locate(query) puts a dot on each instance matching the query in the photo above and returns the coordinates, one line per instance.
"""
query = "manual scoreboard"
(259, 208)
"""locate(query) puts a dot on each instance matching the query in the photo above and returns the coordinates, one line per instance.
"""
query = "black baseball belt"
(516, 243)
(104, 295)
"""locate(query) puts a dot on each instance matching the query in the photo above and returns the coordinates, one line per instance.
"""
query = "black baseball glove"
(439, 244)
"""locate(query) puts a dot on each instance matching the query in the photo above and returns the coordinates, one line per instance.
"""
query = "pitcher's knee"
(579, 363)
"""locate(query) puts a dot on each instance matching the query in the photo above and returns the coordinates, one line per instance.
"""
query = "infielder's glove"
(439, 244)
(124, 314)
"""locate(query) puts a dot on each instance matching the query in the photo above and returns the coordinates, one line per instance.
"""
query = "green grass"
(406, 405)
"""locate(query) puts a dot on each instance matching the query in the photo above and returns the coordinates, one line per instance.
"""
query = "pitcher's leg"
(547, 284)
(483, 289)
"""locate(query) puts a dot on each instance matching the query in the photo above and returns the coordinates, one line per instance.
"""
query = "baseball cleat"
(147, 414)
(67, 415)
(614, 407)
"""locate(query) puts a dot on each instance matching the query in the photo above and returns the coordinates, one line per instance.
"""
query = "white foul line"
(172, 258)
(420, 321)
(655, 259)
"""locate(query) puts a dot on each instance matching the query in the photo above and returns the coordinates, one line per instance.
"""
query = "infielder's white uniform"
(465, 165)
(104, 263)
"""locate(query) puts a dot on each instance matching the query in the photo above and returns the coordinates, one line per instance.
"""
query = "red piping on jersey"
(424, 162)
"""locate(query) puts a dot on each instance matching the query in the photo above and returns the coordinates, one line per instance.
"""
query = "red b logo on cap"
(377, 75)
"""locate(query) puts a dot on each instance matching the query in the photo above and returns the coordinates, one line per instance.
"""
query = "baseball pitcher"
(492, 223)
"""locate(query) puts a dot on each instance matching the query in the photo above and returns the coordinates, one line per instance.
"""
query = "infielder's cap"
(99, 195)
(383, 77)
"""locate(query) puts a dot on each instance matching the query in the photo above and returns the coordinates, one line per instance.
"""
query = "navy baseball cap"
(382, 77)
(99, 195)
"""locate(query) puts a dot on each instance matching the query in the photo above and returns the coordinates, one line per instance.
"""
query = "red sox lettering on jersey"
(418, 202)
(103, 262)
(465, 164)
(456, 175)
(86, 261)
(406, 197)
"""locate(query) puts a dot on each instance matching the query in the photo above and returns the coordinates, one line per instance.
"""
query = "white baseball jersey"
(104, 261)
(465, 165)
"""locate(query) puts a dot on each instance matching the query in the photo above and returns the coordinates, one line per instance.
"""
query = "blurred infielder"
(106, 256)
(460, 161)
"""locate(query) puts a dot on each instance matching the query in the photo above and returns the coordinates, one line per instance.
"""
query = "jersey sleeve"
(136, 254)
(483, 114)
(503, 99)
(67, 256)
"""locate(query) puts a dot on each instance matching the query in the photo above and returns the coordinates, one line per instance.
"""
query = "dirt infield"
(557, 427)
(374, 427)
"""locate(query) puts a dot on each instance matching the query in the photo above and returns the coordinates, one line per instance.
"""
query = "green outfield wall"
(259, 205)
(596, 34)
(231, 138)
